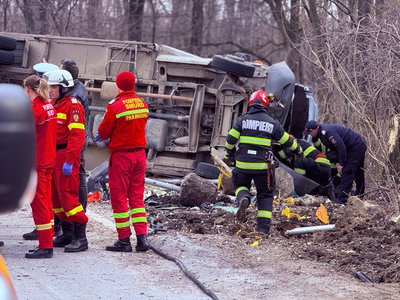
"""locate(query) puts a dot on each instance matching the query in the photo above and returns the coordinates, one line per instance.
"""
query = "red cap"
(125, 81)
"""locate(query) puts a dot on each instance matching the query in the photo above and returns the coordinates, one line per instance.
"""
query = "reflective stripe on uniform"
(229, 146)
(40, 227)
(264, 214)
(121, 215)
(308, 150)
(300, 171)
(74, 211)
(122, 224)
(282, 154)
(294, 145)
(334, 166)
(139, 219)
(76, 125)
(251, 165)
(254, 141)
(58, 210)
(138, 210)
(323, 160)
(284, 138)
(52, 222)
(61, 116)
(233, 132)
(239, 189)
(132, 112)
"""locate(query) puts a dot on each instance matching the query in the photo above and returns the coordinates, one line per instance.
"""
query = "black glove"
(230, 161)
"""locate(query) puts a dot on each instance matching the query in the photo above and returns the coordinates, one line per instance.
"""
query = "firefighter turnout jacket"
(255, 131)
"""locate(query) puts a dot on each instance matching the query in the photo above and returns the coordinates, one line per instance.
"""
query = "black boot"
(243, 205)
(263, 225)
(31, 236)
(142, 244)
(40, 253)
(330, 192)
(123, 245)
(66, 237)
(79, 243)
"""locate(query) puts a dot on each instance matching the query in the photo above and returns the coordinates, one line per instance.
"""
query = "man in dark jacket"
(351, 149)
(254, 133)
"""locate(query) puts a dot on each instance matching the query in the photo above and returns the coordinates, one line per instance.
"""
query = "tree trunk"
(134, 19)
(29, 9)
(92, 16)
(196, 26)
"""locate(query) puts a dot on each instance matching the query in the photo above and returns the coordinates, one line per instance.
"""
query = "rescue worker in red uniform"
(254, 133)
(124, 124)
(69, 144)
(45, 119)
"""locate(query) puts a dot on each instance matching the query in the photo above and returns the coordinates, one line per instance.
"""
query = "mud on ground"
(365, 240)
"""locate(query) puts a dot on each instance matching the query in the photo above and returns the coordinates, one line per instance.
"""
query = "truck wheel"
(7, 43)
(231, 66)
(6, 58)
(206, 170)
(156, 134)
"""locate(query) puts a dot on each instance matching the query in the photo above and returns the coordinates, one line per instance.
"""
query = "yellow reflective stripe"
(76, 125)
(139, 220)
(52, 221)
(132, 112)
(323, 148)
(226, 155)
(323, 160)
(308, 150)
(239, 189)
(282, 154)
(334, 166)
(138, 210)
(254, 141)
(229, 146)
(74, 211)
(294, 145)
(317, 143)
(233, 132)
(300, 171)
(61, 116)
(251, 165)
(58, 210)
(264, 214)
(122, 224)
(121, 215)
(40, 227)
(284, 138)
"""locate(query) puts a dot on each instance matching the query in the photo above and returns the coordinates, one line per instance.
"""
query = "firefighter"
(351, 149)
(254, 133)
(70, 141)
(124, 124)
(45, 119)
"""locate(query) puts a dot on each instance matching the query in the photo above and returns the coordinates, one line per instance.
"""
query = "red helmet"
(259, 97)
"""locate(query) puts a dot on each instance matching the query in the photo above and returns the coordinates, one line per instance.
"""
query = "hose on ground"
(186, 271)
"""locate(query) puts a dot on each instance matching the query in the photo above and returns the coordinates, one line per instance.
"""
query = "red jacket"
(125, 122)
(46, 129)
(70, 127)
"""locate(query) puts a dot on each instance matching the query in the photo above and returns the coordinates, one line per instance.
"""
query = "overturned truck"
(193, 101)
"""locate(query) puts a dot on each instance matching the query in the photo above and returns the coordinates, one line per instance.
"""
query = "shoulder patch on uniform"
(74, 100)
(323, 132)
(112, 101)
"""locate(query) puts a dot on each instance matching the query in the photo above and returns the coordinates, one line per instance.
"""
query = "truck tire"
(156, 134)
(232, 66)
(7, 43)
(206, 170)
(6, 58)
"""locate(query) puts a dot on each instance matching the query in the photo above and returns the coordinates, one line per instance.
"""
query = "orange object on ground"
(322, 214)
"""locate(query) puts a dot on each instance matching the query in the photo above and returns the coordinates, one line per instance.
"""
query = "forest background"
(347, 50)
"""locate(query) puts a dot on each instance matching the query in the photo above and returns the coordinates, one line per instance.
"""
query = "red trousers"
(126, 180)
(66, 192)
(42, 209)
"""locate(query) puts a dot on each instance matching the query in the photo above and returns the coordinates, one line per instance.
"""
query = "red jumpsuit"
(42, 208)
(124, 123)
(70, 140)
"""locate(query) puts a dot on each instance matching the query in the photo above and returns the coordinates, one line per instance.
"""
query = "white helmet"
(59, 77)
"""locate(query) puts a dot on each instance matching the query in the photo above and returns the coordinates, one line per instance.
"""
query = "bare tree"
(196, 26)
(134, 19)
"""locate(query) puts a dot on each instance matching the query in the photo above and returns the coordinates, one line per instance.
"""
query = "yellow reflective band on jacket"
(52, 222)
(233, 132)
(323, 160)
(282, 154)
(334, 166)
(121, 215)
(58, 210)
(76, 126)
(74, 211)
(229, 146)
(284, 138)
(122, 224)
(138, 210)
(300, 171)
(264, 214)
(308, 150)
(40, 227)
(132, 112)
(61, 116)
(317, 143)
(226, 155)
(294, 145)
(139, 220)
(254, 141)
(251, 165)
(239, 189)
